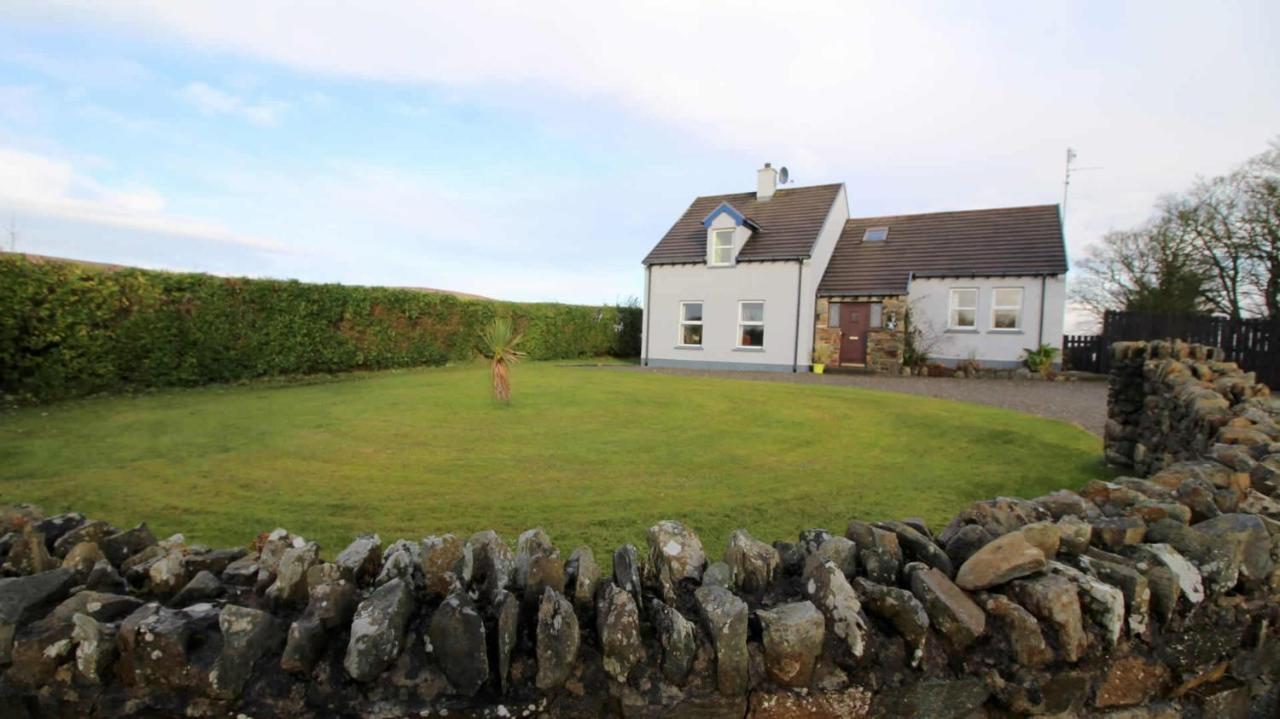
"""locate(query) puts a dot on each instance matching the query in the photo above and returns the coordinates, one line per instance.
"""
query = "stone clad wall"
(1155, 597)
(884, 345)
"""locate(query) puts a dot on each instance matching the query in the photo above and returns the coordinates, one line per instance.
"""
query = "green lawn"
(593, 456)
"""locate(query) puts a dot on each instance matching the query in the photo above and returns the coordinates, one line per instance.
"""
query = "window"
(722, 247)
(963, 313)
(691, 324)
(1006, 308)
(833, 314)
(877, 310)
(875, 234)
(751, 324)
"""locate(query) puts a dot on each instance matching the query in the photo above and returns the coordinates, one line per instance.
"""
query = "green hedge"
(68, 330)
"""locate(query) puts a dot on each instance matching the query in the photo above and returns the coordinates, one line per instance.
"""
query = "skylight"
(875, 234)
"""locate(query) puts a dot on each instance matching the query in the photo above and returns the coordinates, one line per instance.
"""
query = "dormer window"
(875, 234)
(722, 247)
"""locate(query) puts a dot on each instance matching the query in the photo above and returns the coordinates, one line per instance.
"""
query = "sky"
(537, 151)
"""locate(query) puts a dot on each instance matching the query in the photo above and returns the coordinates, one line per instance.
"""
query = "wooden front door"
(855, 320)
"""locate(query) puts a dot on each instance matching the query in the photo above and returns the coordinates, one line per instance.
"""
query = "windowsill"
(962, 331)
(1005, 332)
(688, 347)
(720, 266)
(748, 349)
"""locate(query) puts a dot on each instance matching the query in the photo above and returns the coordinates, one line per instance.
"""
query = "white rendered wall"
(719, 289)
(930, 299)
(815, 268)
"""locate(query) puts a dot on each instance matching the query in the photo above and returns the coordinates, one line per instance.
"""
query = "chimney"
(766, 182)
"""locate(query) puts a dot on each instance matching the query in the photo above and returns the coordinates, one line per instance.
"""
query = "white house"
(767, 280)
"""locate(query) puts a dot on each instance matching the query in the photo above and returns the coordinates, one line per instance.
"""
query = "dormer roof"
(724, 208)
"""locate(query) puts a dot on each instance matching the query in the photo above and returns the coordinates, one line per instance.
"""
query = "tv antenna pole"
(1066, 182)
(13, 232)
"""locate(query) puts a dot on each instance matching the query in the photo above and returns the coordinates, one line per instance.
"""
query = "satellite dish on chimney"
(783, 176)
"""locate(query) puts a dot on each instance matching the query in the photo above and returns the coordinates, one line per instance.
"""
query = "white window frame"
(1017, 327)
(711, 256)
(952, 307)
(744, 323)
(681, 322)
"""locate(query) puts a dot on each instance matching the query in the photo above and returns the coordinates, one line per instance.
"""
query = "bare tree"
(1209, 219)
(1214, 248)
(1260, 183)
(1147, 269)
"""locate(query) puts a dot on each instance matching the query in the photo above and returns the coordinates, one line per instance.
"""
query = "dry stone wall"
(1171, 401)
(1156, 597)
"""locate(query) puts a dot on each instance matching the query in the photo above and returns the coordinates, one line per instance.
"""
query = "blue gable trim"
(724, 208)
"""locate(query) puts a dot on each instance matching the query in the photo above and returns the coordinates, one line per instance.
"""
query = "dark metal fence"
(1253, 343)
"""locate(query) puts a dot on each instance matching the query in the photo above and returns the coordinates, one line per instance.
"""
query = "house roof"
(1007, 241)
(788, 225)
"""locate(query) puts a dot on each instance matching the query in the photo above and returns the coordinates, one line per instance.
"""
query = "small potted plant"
(821, 358)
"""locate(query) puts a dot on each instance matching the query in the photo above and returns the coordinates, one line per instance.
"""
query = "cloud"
(212, 101)
(42, 185)
(94, 70)
(977, 103)
(918, 107)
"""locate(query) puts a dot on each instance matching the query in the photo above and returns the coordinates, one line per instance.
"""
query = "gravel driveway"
(1082, 402)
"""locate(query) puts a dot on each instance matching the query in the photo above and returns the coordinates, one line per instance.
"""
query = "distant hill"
(109, 267)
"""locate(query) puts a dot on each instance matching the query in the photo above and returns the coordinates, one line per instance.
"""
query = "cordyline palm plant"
(498, 341)
(1040, 359)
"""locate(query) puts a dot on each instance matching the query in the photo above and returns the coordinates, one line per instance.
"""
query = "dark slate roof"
(1007, 241)
(789, 225)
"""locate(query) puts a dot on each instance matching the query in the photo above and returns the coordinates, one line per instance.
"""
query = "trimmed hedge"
(68, 330)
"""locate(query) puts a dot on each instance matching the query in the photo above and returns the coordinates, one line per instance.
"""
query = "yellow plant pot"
(818, 368)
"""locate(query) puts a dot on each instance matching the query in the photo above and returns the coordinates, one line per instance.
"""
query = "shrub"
(68, 330)
(1040, 359)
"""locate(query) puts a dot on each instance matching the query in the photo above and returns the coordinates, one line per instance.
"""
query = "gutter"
(648, 288)
(738, 261)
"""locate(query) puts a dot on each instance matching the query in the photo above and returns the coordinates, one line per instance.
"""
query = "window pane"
(875, 234)
(833, 314)
(692, 311)
(1005, 319)
(967, 299)
(876, 311)
(1007, 297)
(963, 318)
(752, 336)
(722, 255)
(752, 311)
(691, 334)
(724, 238)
